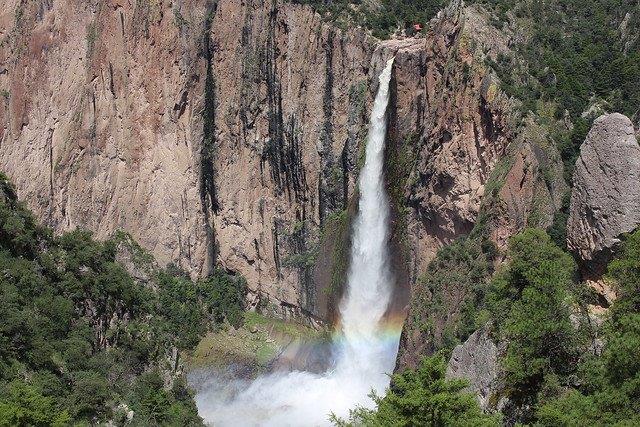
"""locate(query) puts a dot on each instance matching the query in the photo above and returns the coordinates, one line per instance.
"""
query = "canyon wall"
(220, 134)
(465, 162)
(101, 118)
(290, 107)
(230, 135)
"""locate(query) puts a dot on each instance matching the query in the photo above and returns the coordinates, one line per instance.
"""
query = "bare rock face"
(477, 362)
(529, 185)
(101, 123)
(288, 100)
(462, 135)
(220, 133)
(605, 201)
(464, 130)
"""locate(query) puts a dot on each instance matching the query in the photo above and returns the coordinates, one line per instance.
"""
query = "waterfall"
(369, 285)
(365, 347)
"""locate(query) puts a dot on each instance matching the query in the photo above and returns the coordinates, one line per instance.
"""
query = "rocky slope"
(476, 166)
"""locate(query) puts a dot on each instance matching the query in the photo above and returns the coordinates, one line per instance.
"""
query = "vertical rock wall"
(220, 133)
(290, 116)
(101, 122)
(229, 133)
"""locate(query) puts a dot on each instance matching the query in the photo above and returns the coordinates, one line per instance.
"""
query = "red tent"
(417, 27)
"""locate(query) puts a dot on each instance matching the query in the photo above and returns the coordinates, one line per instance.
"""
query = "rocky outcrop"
(605, 201)
(477, 362)
(474, 165)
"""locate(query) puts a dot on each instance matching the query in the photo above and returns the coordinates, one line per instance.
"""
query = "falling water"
(365, 348)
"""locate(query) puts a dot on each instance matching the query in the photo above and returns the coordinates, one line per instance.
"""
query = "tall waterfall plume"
(365, 348)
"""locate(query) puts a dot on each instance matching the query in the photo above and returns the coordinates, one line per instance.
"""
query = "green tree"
(625, 272)
(77, 330)
(154, 405)
(179, 303)
(529, 300)
(22, 404)
(223, 295)
(423, 397)
(89, 396)
(608, 386)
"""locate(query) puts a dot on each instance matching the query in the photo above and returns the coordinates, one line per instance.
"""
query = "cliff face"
(475, 165)
(463, 131)
(289, 100)
(226, 134)
(230, 134)
(101, 122)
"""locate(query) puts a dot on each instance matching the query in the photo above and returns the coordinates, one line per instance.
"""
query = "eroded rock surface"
(477, 362)
(230, 134)
(605, 201)
(468, 152)
(101, 123)
(219, 133)
(463, 130)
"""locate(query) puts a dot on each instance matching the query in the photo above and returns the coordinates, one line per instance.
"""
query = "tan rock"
(605, 200)
(105, 124)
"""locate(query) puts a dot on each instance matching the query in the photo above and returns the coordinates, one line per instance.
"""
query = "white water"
(365, 349)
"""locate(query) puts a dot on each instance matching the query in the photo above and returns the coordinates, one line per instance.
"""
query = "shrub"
(423, 397)
(224, 295)
(452, 291)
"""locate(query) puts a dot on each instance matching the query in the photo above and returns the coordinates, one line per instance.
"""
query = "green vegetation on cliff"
(577, 55)
(82, 342)
(383, 18)
(253, 347)
(423, 397)
(529, 302)
(579, 49)
(557, 366)
(607, 387)
(552, 369)
(451, 291)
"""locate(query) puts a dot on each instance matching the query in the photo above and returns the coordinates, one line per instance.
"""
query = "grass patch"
(255, 344)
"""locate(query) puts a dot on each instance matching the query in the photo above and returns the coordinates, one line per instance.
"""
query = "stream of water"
(365, 344)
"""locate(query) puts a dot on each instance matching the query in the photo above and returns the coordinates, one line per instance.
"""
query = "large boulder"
(605, 201)
(477, 362)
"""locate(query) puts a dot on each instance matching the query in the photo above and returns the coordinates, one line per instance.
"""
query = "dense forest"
(82, 342)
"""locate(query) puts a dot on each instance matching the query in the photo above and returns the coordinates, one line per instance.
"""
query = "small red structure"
(417, 27)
